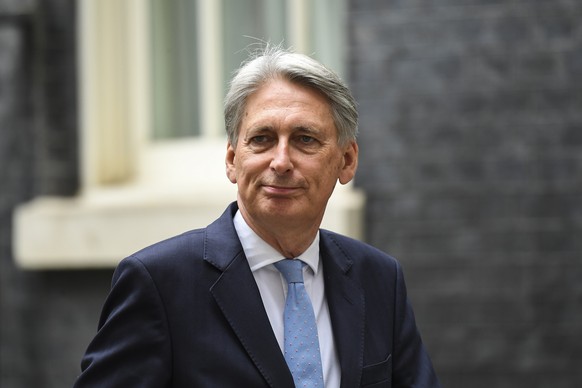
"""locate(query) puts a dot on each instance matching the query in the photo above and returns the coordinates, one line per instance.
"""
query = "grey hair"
(275, 62)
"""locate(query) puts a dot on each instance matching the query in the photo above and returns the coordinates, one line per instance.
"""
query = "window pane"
(328, 32)
(175, 84)
(248, 23)
(242, 26)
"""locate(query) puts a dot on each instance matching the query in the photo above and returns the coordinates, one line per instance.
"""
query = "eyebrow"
(269, 128)
(308, 129)
(259, 129)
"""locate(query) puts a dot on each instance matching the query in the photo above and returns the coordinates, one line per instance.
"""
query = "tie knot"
(292, 270)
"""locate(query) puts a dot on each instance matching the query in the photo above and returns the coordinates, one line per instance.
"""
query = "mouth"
(279, 190)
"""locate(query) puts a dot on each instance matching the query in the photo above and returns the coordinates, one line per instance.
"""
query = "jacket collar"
(238, 297)
(346, 307)
(247, 315)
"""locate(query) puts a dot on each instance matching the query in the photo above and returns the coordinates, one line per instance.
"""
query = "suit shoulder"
(357, 250)
(188, 244)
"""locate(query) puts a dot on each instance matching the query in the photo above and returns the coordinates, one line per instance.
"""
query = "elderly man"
(262, 297)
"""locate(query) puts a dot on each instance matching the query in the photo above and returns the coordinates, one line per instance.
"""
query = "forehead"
(283, 97)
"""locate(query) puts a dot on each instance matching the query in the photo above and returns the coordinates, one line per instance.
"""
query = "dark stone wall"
(15, 179)
(471, 158)
(57, 167)
(46, 317)
(471, 141)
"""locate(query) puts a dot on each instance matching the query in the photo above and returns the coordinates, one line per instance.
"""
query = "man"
(207, 308)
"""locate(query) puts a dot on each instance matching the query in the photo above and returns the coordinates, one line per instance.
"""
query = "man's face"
(287, 159)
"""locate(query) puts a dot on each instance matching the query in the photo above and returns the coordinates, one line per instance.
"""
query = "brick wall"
(471, 119)
(46, 317)
(15, 180)
(471, 141)
(57, 166)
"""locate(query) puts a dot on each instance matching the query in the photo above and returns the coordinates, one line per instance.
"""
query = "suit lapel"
(346, 306)
(238, 297)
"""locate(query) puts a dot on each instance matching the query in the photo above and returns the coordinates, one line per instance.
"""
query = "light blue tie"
(301, 341)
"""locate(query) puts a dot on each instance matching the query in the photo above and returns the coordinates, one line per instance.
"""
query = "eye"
(306, 139)
(260, 139)
(260, 143)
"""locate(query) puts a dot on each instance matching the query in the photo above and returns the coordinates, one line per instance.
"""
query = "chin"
(284, 208)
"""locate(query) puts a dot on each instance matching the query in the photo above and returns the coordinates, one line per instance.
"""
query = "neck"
(289, 240)
(290, 245)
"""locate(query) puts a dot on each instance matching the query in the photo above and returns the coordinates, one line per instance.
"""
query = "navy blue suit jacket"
(186, 312)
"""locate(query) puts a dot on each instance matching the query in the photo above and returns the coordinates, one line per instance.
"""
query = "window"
(153, 77)
(175, 58)
(196, 47)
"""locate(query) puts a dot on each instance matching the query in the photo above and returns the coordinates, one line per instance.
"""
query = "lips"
(278, 189)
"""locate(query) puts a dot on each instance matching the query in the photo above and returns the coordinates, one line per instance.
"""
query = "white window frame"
(134, 191)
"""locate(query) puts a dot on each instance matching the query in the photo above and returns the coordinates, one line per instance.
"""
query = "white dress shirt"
(273, 289)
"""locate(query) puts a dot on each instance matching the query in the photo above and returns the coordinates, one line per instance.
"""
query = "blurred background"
(470, 167)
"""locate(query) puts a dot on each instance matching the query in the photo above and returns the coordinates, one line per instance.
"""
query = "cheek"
(327, 175)
(246, 172)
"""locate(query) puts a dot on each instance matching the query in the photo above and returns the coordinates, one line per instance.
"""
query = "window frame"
(135, 191)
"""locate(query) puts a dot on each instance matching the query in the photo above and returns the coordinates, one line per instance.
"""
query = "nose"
(281, 162)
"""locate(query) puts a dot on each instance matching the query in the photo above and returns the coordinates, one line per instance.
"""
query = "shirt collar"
(260, 254)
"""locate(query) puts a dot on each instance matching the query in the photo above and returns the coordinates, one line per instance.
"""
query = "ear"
(350, 163)
(230, 166)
